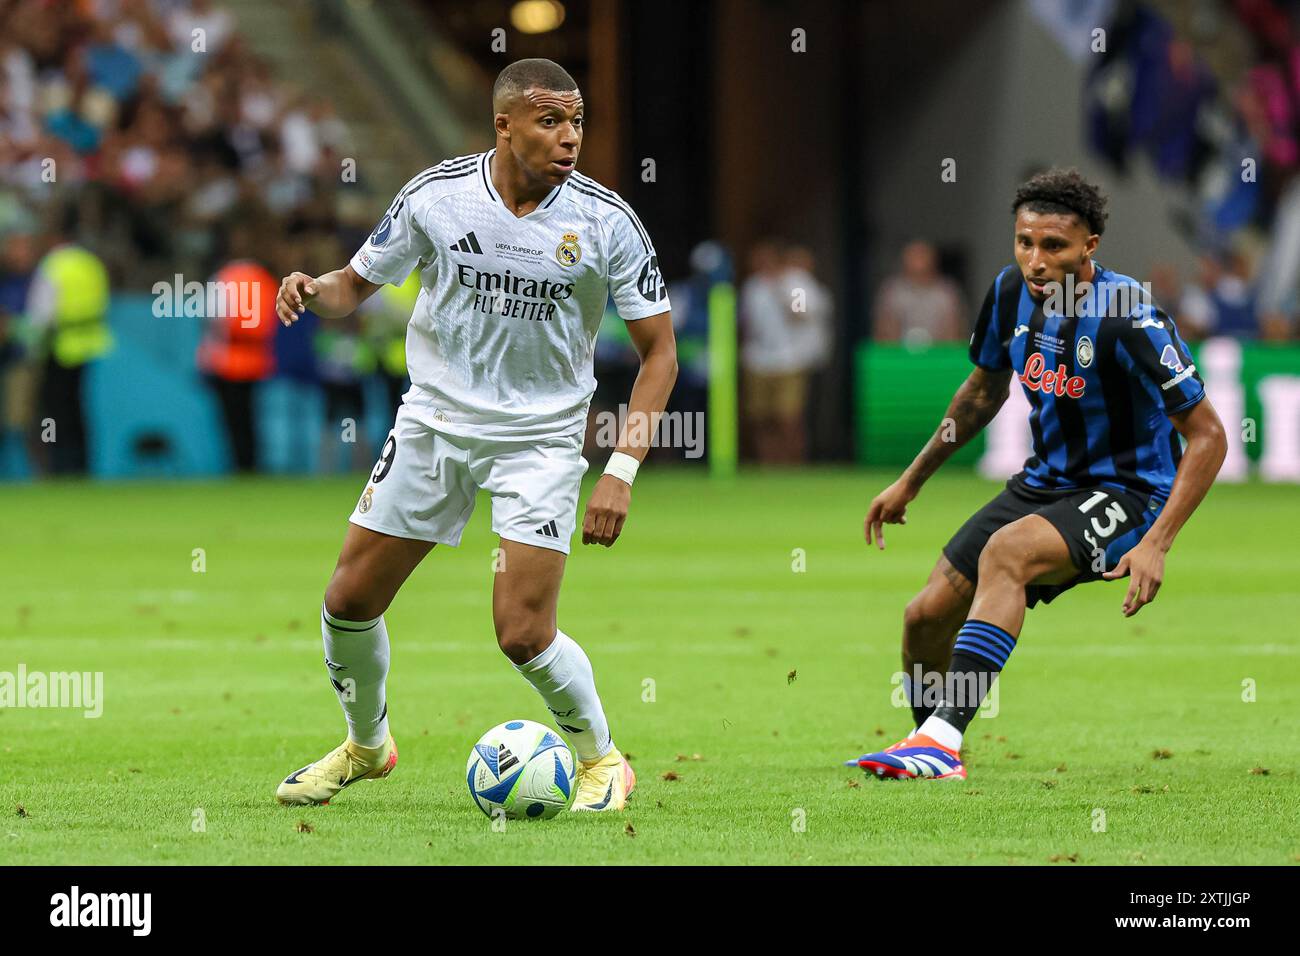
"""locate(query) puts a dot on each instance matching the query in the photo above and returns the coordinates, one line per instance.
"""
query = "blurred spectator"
(692, 298)
(110, 65)
(298, 386)
(385, 316)
(1166, 286)
(1279, 273)
(20, 357)
(237, 349)
(68, 306)
(919, 305)
(199, 19)
(1221, 300)
(775, 359)
(815, 333)
(344, 360)
(1214, 102)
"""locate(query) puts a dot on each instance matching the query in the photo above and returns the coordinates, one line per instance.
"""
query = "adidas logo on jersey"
(467, 243)
(549, 530)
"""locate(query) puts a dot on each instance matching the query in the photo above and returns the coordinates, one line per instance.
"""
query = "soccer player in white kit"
(517, 255)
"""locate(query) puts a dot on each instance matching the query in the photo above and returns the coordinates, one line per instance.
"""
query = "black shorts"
(1099, 525)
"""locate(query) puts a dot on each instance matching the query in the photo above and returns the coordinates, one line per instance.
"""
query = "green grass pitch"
(214, 688)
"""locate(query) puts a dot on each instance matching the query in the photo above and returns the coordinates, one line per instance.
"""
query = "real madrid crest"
(366, 499)
(568, 252)
(1083, 351)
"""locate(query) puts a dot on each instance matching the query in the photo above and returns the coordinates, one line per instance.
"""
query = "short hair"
(535, 73)
(1063, 191)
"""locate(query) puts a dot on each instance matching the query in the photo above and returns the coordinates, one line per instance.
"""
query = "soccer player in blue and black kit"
(1111, 387)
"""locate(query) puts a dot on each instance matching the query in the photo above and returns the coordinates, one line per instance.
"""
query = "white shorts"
(425, 481)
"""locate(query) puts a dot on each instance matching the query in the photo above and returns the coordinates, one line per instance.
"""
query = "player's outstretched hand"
(606, 511)
(888, 507)
(1146, 564)
(296, 292)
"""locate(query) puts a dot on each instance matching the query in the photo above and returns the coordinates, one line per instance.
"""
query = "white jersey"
(501, 341)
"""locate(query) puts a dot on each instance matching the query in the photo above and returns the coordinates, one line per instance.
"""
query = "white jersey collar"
(485, 175)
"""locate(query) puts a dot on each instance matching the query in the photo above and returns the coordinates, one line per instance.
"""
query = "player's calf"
(930, 623)
(524, 598)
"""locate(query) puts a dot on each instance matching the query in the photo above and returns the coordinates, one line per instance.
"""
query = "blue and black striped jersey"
(1101, 384)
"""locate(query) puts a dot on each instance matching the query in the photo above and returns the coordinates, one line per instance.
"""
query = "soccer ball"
(521, 770)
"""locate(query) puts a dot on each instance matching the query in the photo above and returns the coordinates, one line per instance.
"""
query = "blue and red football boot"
(913, 758)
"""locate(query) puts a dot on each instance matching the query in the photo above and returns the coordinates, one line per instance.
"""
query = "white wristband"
(622, 466)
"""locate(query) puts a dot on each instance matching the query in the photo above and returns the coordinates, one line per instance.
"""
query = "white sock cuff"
(339, 624)
(940, 731)
(547, 657)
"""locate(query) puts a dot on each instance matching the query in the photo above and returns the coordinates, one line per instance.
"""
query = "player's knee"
(346, 600)
(522, 637)
(1004, 558)
(925, 633)
(919, 614)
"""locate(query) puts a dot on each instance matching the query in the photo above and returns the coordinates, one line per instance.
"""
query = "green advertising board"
(901, 394)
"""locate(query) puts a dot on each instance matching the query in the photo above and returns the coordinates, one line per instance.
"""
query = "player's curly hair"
(1063, 191)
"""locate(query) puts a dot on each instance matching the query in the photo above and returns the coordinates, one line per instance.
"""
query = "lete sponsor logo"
(1038, 377)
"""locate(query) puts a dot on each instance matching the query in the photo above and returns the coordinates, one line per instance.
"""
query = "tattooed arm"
(973, 407)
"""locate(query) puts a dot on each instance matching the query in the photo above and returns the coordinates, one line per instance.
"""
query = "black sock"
(919, 713)
(978, 657)
(916, 696)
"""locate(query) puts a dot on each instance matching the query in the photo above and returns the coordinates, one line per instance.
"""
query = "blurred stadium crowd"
(1210, 96)
(125, 159)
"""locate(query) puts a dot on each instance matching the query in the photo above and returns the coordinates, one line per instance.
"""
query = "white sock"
(940, 731)
(356, 653)
(562, 675)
